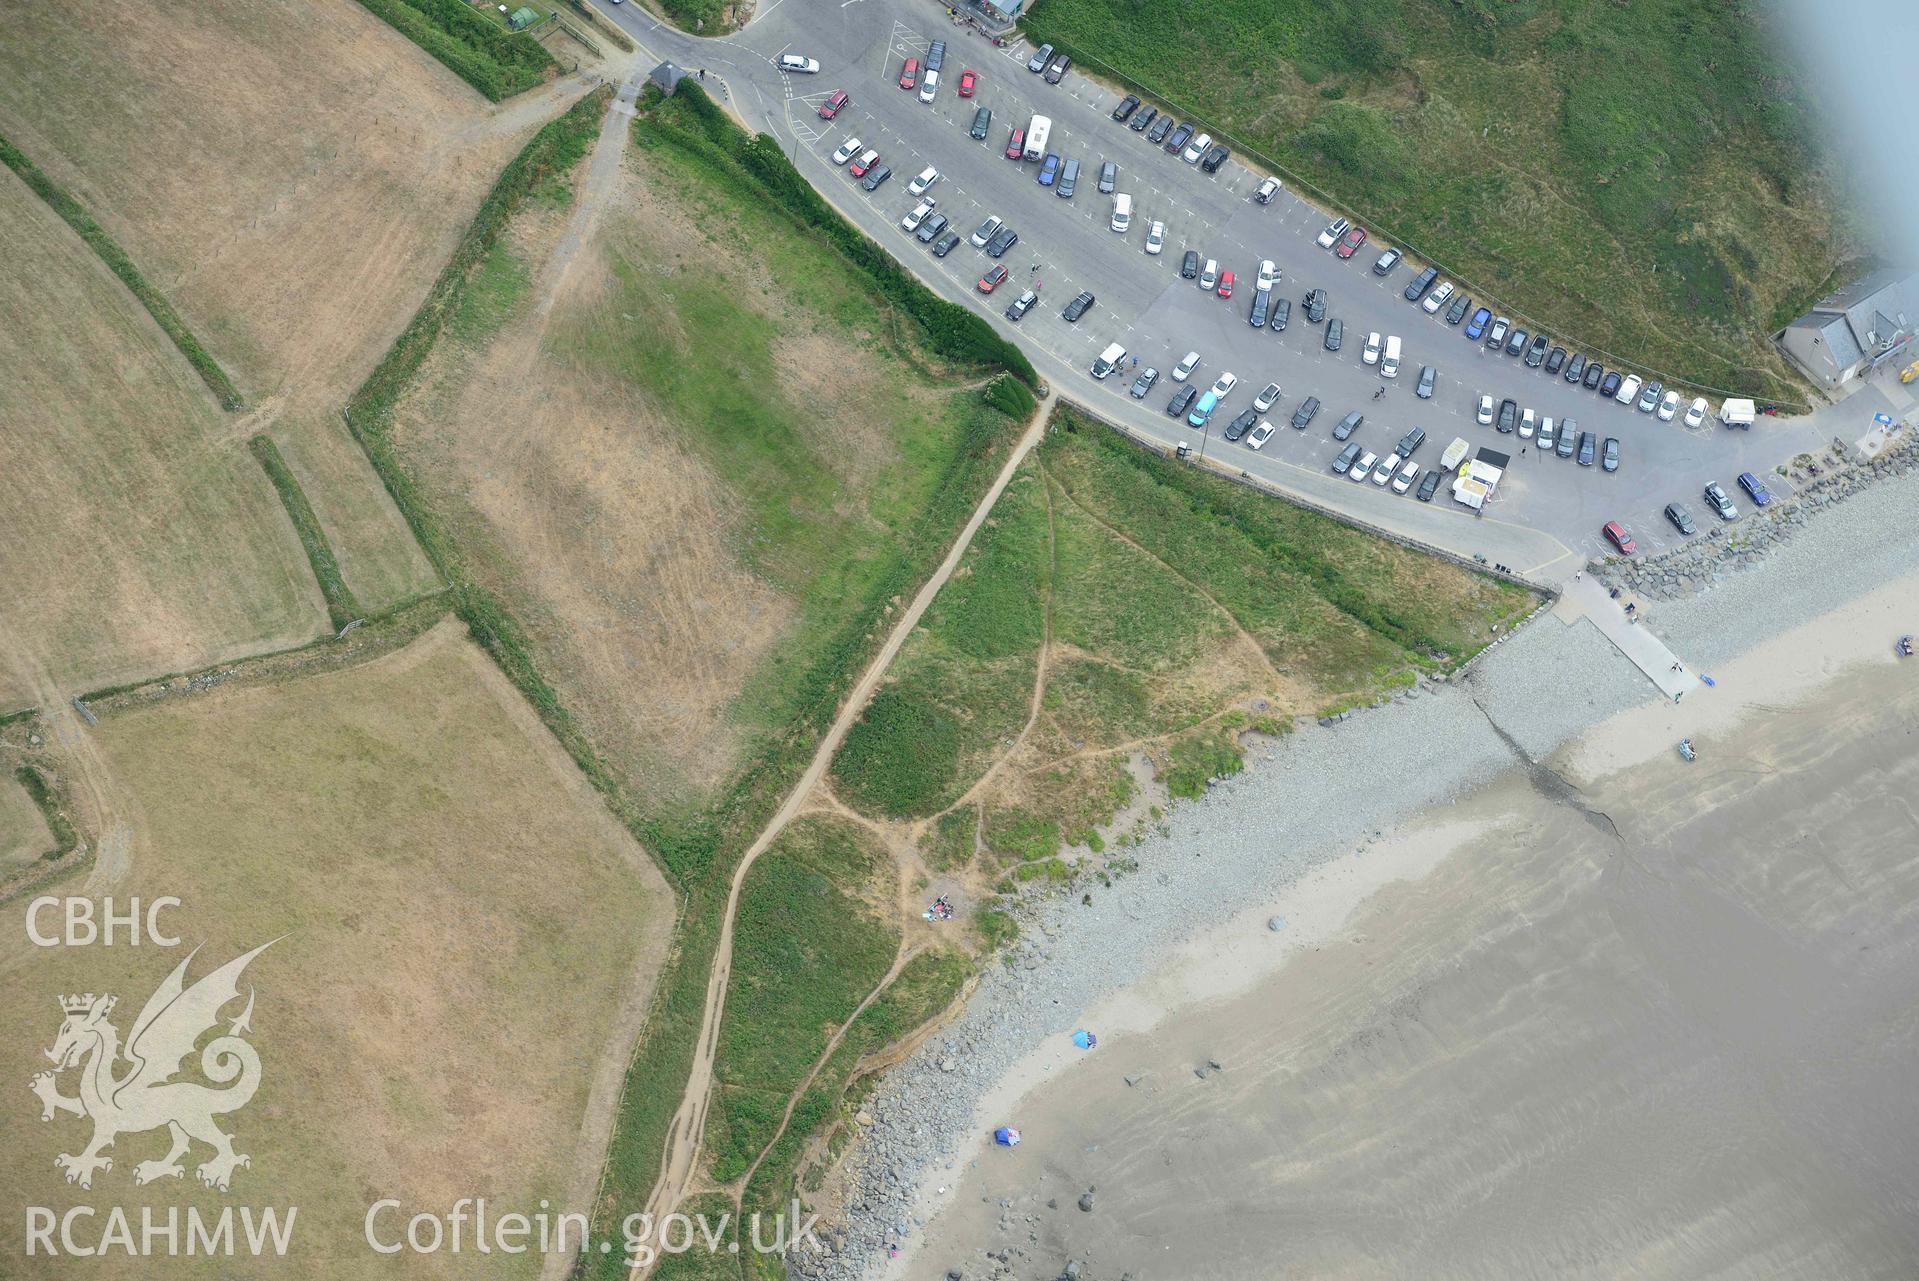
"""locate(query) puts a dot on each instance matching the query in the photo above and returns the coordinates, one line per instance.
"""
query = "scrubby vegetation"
(479, 50)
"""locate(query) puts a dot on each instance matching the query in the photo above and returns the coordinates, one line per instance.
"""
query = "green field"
(1642, 178)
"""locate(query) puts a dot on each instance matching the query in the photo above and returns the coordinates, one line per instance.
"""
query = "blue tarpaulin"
(1085, 1040)
(1006, 1136)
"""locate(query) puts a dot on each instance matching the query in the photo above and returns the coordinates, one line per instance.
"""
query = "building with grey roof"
(1856, 329)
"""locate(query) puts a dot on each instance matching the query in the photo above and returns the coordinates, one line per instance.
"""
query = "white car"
(1407, 475)
(928, 176)
(1260, 435)
(1268, 274)
(847, 150)
(917, 215)
(1209, 274)
(1266, 399)
(1485, 411)
(1371, 354)
(1334, 230)
(1363, 468)
(1156, 238)
(929, 85)
(1628, 390)
(1197, 148)
(1383, 474)
(1437, 298)
(800, 63)
(1268, 188)
(1528, 424)
(1187, 364)
(1668, 406)
(1225, 385)
(987, 230)
(1545, 433)
(1696, 412)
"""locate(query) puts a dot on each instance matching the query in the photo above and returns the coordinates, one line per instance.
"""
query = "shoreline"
(1265, 844)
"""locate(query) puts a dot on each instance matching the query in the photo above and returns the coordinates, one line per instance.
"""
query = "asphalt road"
(1545, 519)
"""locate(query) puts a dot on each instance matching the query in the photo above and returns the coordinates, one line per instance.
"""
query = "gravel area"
(1255, 834)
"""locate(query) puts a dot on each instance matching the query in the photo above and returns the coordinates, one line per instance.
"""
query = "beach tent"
(1085, 1040)
(1006, 1136)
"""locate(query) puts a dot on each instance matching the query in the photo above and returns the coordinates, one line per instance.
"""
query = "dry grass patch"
(469, 942)
(24, 835)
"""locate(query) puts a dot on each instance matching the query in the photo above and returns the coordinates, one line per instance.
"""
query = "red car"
(831, 107)
(862, 162)
(969, 80)
(993, 279)
(910, 76)
(1016, 144)
(1617, 535)
(1225, 284)
(1350, 242)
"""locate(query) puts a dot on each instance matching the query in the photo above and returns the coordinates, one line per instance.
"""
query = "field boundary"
(496, 62)
(52, 810)
(74, 214)
(342, 607)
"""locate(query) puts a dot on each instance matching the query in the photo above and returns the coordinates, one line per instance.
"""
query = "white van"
(1038, 130)
(1112, 358)
(1389, 367)
(1122, 212)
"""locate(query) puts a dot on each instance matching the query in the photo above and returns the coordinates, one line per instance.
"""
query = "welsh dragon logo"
(143, 1095)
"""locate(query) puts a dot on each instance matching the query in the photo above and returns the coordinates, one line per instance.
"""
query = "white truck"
(1455, 454)
(1037, 132)
(1112, 358)
(1738, 413)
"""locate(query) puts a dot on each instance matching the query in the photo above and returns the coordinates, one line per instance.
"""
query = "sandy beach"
(1603, 1014)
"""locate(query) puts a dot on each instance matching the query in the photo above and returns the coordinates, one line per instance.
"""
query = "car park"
(1427, 377)
(1437, 298)
(1176, 141)
(1568, 443)
(1157, 134)
(1040, 57)
(1334, 230)
(1181, 398)
(875, 176)
(1350, 242)
(921, 184)
(1068, 180)
(1144, 383)
(1240, 425)
(1587, 448)
(1668, 406)
(1408, 473)
(1308, 409)
(1428, 487)
(1696, 412)
(1225, 286)
(1649, 398)
(1528, 424)
(1755, 489)
(929, 86)
(1496, 336)
(1016, 144)
(994, 277)
(1209, 275)
(1681, 519)
(944, 245)
(1262, 305)
(1143, 119)
(1409, 443)
(1006, 239)
(1516, 343)
(932, 227)
(1616, 535)
(1457, 312)
(1346, 426)
(1282, 313)
(1555, 360)
(1344, 462)
(987, 230)
(836, 102)
(1536, 353)
(1267, 189)
(1196, 148)
(1081, 304)
(1421, 283)
(799, 63)
(1208, 402)
(1720, 502)
(847, 150)
(1609, 385)
(1595, 377)
(1335, 334)
(1485, 410)
(1609, 454)
(910, 74)
(1261, 434)
(1575, 367)
(1508, 416)
(1057, 71)
(1187, 364)
(1481, 319)
(1224, 384)
(1383, 473)
(1315, 301)
(1049, 169)
(1156, 240)
(1189, 265)
(1127, 106)
(1267, 398)
(1021, 305)
(982, 121)
(1213, 159)
(1108, 178)
(1363, 469)
(1546, 437)
(863, 163)
(1386, 262)
(969, 81)
(1369, 355)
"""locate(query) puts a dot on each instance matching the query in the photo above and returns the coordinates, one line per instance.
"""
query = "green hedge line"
(497, 62)
(122, 266)
(341, 606)
(952, 331)
(37, 787)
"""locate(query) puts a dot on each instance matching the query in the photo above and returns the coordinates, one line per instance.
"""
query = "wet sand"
(1663, 1023)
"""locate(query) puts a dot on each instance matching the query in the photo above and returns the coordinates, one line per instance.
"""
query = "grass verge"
(496, 61)
(341, 606)
(75, 215)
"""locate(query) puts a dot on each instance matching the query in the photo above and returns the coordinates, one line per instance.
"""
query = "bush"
(497, 62)
(341, 606)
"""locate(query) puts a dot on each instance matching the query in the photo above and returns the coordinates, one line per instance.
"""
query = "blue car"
(1755, 489)
(1477, 325)
(1203, 410)
(1049, 169)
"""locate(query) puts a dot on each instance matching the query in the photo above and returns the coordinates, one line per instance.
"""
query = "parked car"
(1369, 354)
(835, 103)
(1350, 242)
(1196, 148)
(1363, 469)
(1409, 443)
(1628, 390)
(1755, 489)
(1437, 298)
(1485, 410)
(1334, 230)
(1681, 519)
(1212, 160)
(1040, 58)
(1508, 416)
(1108, 178)
(1156, 239)
(982, 121)
(1536, 353)
(1068, 180)
(1143, 119)
(1181, 399)
(1267, 189)
(1315, 301)
(1649, 398)
(1224, 384)
(1556, 360)
(1022, 305)
(1262, 305)
(875, 176)
(1268, 275)
(1177, 140)
(1546, 436)
(1307, 411)
(1516, 342)
(1187, 364)
(1496, 336)
(1157, 134)
(1477, 328)
(1421, 283)
(799, 63)
(1587, 448)
(863, 163)
(944, 245)
(1595, 377)
(1144, 383)
(1575, 367)
(1267, 398)
(1335, 334)
(1717, 499)
(1225, 287)
(1209, 275)
(1261, 434)
(1057, 71)
(1006, 239)
(1282, 313)
(1528, 424)
(1189, 265)
(929, 85)
(1348, 425)
(1696, 412)
(1344, 462)
(1016, 144)
(1386, 262)
(1081, 304)
(969, 81)
(1428, 487)
(1241, 425)
(1616, 534)
(847, 150)
(1609, 385)
(1568, 439)
(995, 276)
(1203, 411)
(1408, 473)
(1127, 106)
(1428, 376)
(1457, 312)
(1609, 454)
(910, 74)
(987, 230)
(930, 228)
(1668, 406)
(1049, 169)
(920, 185)
(1383, 473)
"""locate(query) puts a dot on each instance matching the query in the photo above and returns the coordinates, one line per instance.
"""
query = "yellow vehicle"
(1910, 372)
